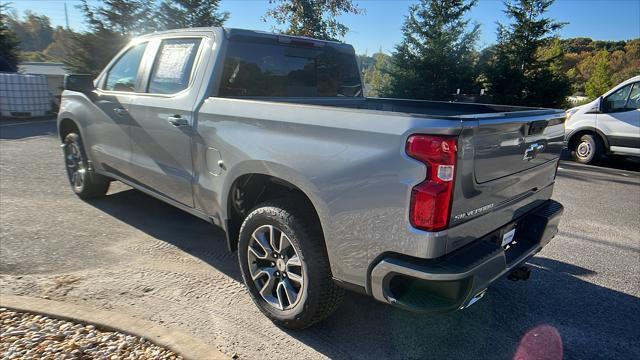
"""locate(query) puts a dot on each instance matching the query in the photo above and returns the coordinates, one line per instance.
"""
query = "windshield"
(254, 68)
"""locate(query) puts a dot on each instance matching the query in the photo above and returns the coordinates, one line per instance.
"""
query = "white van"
(608, 125)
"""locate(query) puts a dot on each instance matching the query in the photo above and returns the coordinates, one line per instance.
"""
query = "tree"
(90, 52)
(518, 74)
(312, 18)
(62, 43)
(34, 32)
(125, 17)
(436, 55)
(377, 76)
(111, 24)
(550, 86)
(8, 43)
(600, 81)
(175, 14)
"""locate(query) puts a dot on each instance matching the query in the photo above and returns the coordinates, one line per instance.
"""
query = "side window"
(617, 101)
(634, 97)
(173, 65)
(124, 73)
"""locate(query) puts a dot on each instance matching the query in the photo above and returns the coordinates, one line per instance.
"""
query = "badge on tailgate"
(473, 212)
(533, 151)
(508, 237)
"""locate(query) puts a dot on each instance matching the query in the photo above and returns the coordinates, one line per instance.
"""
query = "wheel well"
(66, 127)
(576, 137)
(250, 190)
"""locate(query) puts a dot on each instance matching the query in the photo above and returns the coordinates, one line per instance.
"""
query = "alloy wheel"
(275, 267)
(75, 164)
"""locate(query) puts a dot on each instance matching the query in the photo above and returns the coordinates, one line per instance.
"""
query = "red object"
(431, 200)
(543, 342)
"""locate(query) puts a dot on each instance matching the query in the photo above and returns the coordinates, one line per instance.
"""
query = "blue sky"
(380, 27)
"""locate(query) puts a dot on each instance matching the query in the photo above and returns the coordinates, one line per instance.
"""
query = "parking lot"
(133, 254)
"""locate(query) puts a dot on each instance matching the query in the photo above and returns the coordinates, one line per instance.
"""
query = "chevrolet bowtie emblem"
(533, 151)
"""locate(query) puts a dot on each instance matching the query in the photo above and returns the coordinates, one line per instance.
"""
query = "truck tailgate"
(510, 145)
(504, 159)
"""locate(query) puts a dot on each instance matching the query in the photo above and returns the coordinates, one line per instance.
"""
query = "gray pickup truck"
(420, 204)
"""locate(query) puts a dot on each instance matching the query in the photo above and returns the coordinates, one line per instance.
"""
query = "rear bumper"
(457, 279)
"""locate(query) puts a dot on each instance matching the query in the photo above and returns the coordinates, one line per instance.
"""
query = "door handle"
(120, 111)
(177, 121)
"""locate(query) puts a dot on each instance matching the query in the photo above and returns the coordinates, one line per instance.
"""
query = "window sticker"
(173, 60)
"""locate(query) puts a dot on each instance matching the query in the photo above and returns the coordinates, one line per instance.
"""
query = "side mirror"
(80, 83)
(601, 105)
(597, 107)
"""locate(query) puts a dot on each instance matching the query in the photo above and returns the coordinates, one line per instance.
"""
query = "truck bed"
(414, 107)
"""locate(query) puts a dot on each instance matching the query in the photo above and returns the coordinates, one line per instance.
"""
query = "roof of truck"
(243, 32)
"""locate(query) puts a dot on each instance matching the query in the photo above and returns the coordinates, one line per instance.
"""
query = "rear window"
(268, 68)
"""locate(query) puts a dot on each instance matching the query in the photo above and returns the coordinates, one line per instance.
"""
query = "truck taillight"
(431, 199)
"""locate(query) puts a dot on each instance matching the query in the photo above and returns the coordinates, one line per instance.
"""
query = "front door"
(163, 128)
(111, 129)
(620, 119)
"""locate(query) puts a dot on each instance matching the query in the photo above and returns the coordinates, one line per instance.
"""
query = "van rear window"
(271, 69)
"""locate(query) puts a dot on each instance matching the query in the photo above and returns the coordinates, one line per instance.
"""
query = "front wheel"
(85, 183)
(285, 266)
(588, 149)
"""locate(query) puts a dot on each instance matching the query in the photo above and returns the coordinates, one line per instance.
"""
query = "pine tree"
(90, 52)
(125, 17)
(112, 25)
(34, 31)
(176, 14)
(436, 55)
(600, 81)
(377, 76)
(518, 74)
(8, 43)
(312, 18)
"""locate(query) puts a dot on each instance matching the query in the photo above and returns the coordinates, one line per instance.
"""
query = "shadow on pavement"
(595, 176)
(612, 162)
(554, 315)
(12, 130)
(174, 226)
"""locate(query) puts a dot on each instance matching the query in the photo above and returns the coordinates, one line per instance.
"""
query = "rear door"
(620, 119)
(163, 131)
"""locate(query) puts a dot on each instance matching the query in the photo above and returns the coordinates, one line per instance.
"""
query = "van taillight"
(431, 199)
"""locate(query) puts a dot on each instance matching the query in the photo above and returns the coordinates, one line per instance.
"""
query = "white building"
(54, 72)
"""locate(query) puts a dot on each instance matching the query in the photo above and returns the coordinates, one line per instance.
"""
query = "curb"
(175, 340)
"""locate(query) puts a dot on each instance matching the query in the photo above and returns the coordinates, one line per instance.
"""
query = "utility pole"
(66, 15)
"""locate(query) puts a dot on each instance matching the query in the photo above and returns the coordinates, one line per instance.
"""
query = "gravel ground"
(30, 336)
(133, 254)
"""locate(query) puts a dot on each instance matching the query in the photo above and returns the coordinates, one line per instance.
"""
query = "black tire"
(319, 295)
(588, 149)
(91, 185)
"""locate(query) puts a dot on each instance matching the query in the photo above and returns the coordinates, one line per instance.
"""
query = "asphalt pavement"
(131, 253)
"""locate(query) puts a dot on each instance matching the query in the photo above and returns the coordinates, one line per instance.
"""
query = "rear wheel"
(285, 266)
(85, 183)
(588, 149)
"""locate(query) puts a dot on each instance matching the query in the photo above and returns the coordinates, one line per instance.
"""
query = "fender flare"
(278, 171)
